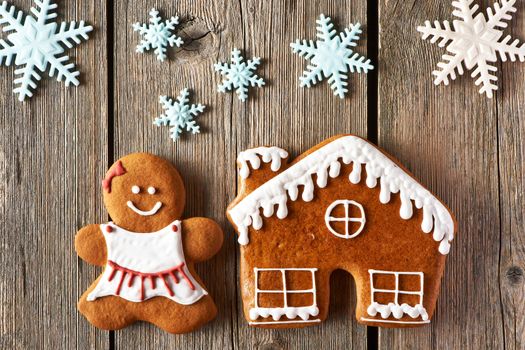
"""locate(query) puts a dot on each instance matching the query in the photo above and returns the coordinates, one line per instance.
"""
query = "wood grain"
(51, 149)
(511, 160)
(207, 161)
(294, 118)
(204, 160)
(450, 138)
(55, 148)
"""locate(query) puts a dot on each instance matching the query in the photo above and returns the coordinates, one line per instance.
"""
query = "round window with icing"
(345, 218)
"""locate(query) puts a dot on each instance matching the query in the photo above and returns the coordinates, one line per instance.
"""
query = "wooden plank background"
(55, 148)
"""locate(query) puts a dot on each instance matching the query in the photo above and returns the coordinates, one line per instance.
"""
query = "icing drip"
(348, 149)
(304, 312)
(398, 311)
(276, 313)
(254, 155)
(141, 266)
(162, 275)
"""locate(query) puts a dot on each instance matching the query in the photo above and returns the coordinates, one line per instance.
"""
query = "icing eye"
(135, 189)
(151, 190)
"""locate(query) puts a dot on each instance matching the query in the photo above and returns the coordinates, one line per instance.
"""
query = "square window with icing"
(294, 302)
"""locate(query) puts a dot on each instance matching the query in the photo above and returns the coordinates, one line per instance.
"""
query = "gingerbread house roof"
(325, 162)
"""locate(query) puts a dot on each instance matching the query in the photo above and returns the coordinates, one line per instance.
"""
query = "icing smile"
(153, 210)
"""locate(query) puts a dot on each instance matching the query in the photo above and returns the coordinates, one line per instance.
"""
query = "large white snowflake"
(36, 43)
(179, 114)
(474, 42)
(331, 56)
(157, 35)
(239, 75)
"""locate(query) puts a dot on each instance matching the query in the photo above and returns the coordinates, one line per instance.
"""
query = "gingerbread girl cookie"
(147, 251)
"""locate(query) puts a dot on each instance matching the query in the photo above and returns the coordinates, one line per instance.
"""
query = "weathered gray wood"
(294, 118)
(53, 153)
(271, 116)
(54, 150)
(511, 156)
(448, 137)
(204, 160)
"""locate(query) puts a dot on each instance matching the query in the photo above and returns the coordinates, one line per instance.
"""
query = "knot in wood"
(515, 275)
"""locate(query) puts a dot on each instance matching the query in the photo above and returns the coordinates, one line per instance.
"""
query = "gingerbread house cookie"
(343, 204)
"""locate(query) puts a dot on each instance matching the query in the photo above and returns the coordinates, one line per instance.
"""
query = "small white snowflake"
(179, 114)
(474, 41)
(239, 75)
(35, 43)
(331, 56)
(157, 35)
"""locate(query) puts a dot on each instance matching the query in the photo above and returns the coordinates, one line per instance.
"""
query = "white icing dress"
(141, 266)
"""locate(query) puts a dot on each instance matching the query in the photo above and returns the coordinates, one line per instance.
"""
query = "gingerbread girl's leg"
(109, 313)
(176, 318)
(112, 313)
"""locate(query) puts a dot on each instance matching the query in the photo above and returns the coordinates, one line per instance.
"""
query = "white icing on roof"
(268, 154)
(326, 161)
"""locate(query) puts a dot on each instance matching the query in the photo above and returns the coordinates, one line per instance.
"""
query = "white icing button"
(135, 189)
(151, 190)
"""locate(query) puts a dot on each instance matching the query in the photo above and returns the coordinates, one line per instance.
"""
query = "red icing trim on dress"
(116, 171)
(174, 277)
(152, 279)
(120, 283)
(141, 287)
(152, 276)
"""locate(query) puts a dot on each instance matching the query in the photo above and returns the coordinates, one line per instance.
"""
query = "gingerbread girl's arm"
(202, 239)
(91, 245)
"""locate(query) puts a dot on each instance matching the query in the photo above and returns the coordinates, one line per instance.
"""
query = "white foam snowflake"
(179, 114)
(331, 56)
(474, 42)
(36, 43)
(239, 75)
(157, 35)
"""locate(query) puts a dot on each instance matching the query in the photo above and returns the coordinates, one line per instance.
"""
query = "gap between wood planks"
(372, 20)
(110, 49)
(372, 117)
